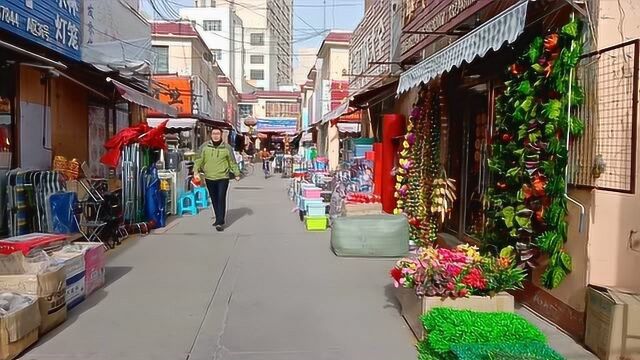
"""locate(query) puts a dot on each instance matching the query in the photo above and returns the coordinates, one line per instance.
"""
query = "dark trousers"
(218, 193)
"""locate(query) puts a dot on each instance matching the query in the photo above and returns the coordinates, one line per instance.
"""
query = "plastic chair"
(187, 203)
(201, 197)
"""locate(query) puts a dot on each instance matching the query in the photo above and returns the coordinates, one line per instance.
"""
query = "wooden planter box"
(412, 307)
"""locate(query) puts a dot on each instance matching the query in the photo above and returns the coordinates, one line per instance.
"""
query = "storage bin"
(316, 209)
(312, 193)
(306, 202)
(361, 150)
(316, 223)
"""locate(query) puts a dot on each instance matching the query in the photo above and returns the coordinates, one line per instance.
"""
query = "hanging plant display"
(526, 206)
(410, 169)
(424, 193)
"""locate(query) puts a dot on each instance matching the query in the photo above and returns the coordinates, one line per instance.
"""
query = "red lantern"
(250, 121)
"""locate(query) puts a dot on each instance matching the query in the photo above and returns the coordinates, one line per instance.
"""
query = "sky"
(310, 26)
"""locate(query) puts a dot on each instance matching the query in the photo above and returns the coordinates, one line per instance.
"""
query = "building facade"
(223, 32)
(331, 68)
(261, 39)
(186, 71)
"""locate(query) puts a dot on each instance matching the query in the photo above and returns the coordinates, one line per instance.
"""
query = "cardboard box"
(74, 271)
(613, 323)
(49, 287)
(362, 209)
(94, 261)
(413, 307)
(19, 330)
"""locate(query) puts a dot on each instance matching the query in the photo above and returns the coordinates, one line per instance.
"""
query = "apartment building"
(223, 32)
(259, 35)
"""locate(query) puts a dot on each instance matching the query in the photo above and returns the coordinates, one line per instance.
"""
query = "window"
(205, 3)
(245, 110)
(257, 39)
(257, 75)
(217, 54)
(257, 59)
(162, 59)
(212, 25)
(282, 109)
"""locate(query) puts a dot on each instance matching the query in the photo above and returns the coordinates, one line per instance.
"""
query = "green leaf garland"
(526, 207)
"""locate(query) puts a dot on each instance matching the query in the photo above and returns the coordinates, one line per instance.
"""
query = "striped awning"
(492, 35)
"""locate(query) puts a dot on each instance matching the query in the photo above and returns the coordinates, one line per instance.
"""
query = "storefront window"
(467, 149)
(6, 139)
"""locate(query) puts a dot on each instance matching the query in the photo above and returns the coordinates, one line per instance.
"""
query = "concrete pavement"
(264, 289)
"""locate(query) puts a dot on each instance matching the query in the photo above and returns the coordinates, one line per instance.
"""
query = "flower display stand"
(412, 307)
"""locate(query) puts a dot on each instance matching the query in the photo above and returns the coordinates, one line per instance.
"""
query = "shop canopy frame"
(142, 99)
(492, 35)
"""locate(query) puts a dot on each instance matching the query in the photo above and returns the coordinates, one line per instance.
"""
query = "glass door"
(469, 131)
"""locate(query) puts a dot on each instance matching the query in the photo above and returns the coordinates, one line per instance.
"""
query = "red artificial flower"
(527, 191)
(551, 42)
(396, 274)
(516, 69)
(475, 279)
(463, 292)
(539, 183)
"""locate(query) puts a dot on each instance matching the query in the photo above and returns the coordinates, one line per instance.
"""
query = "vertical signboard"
(326, 96)
(370, 46)
(54, 24)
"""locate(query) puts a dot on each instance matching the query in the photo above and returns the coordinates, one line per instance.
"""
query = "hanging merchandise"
(527, 204)
(424, 192)
(154, 206)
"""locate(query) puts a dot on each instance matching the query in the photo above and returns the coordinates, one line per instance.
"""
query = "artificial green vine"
(526, 206)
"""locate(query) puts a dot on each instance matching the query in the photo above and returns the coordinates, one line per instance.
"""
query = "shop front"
(489, 147)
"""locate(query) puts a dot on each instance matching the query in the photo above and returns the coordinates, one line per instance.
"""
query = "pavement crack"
(219, 346)
(213, 296)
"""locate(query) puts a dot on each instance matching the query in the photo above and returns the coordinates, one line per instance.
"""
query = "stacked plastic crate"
(315, 209)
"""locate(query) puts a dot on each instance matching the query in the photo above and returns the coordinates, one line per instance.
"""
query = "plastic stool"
(190, 206)
(201, 197)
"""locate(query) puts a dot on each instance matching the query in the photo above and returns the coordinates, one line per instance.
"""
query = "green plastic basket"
(316, 223)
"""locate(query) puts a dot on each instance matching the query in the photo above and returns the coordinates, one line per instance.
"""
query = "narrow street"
(265, 289)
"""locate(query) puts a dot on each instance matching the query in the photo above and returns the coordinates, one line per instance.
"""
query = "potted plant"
(460, 278)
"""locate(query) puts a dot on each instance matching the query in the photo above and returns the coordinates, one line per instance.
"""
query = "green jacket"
(216, 162)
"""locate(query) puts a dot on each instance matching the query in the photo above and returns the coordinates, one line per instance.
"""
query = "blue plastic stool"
(187, 203)
(201, 196)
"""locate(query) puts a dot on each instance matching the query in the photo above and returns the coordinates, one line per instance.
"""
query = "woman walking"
(218, 163)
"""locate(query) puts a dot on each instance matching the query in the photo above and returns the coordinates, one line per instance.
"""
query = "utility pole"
(324, 14)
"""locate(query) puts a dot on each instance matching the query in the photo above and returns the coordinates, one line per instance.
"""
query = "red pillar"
(393, 128)
(377, 169)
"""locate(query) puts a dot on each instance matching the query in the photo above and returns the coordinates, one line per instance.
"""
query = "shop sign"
(54, 24)
(428, 16)
(371, 42)
(175, 92)
(288, 125)
(326, 96)
(305, 118)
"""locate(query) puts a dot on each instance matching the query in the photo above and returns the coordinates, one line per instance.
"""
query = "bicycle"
(248, 168)
(266, 168)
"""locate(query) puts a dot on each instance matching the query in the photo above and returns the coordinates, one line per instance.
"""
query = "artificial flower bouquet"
(459, 272)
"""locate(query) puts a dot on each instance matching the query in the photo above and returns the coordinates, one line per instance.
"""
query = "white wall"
(179, 55)
(215, 39)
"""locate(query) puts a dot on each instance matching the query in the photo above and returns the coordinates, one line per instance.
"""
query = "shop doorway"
(469, 131)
